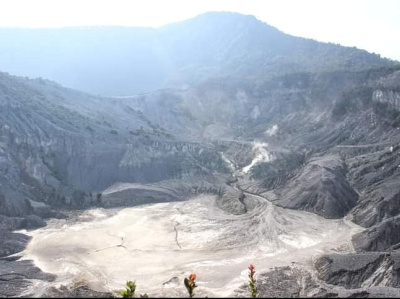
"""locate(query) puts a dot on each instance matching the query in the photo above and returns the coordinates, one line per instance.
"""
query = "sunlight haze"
(365, 24)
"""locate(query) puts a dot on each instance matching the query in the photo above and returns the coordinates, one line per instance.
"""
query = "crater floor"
(157, 245)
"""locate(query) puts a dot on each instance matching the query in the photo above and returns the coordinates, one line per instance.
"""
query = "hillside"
(129, 60)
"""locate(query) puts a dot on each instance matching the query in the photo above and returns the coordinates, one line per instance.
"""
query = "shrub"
(190, 284)
(252, 281)
(130, 290)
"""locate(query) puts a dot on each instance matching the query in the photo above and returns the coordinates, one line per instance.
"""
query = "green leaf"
(186, 281)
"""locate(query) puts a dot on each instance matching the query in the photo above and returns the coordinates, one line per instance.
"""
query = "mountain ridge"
(129, 60)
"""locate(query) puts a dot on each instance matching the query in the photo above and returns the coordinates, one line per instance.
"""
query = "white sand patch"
(160, 243)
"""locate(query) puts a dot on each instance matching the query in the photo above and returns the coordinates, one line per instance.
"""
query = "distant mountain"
(130, 60)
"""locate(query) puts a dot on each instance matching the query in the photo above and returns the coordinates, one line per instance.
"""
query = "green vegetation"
(190, 285)
(130, 290)
(252, 281)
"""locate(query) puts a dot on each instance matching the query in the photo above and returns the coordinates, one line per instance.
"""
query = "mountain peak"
(126, 61)
(220, 18)
(211, 15)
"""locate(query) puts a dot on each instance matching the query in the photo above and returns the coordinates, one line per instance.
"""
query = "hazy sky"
(373, 25)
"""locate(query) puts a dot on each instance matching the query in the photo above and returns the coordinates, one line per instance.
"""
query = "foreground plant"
(130, 291)
(252, 281)
(190, 284)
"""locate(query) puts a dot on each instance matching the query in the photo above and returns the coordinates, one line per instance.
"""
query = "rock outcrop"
(320, 188)
(360, 270)
(381, 237)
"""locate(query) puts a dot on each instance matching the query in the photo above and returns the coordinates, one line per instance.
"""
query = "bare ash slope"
(323, 138)
(326, 143)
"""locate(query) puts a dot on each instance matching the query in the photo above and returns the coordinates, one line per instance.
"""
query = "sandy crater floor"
(158, 245)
